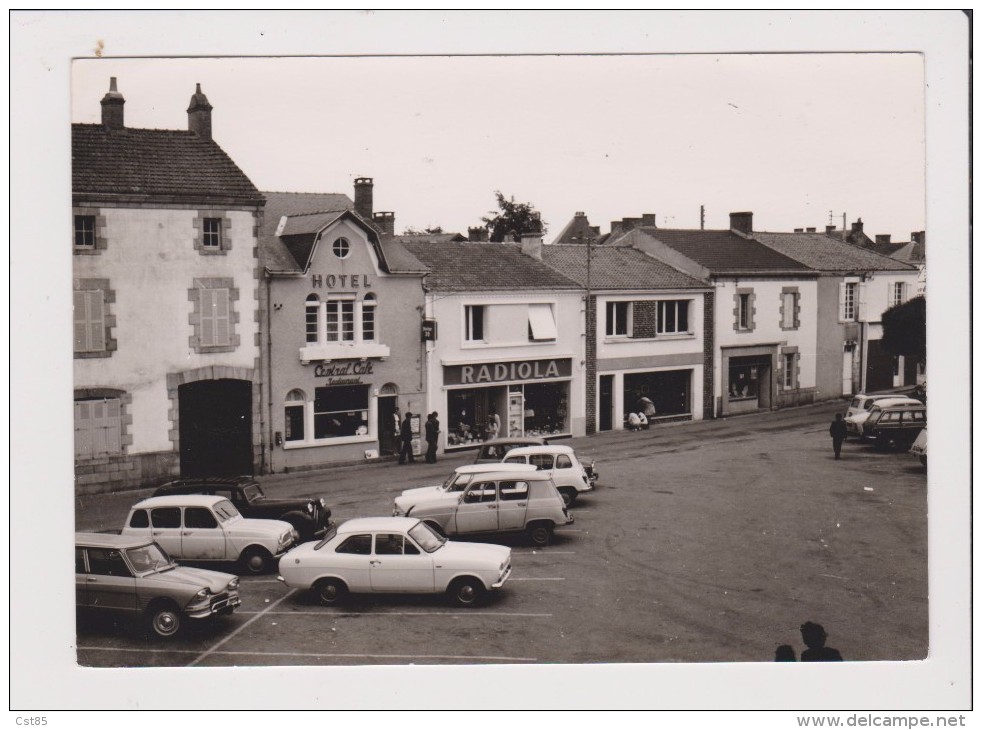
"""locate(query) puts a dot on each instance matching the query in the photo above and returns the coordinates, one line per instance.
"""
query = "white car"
(560, 463)
(460, 478)
(394, 555)
(919, 447)
(208, 527)
(856, 419)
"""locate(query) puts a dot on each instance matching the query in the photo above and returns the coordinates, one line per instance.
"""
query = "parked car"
(856, 421)
(460, 477)
(494, 450)
(501, 500)
(132, 576)
(919, 447)
(863, 402)
(309, 516)
(207, 527)
(394, 555)
(896, 427)
(559, 462)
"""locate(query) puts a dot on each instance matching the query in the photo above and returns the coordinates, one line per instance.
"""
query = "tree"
(428, 231)
(905, 329)
(512, 219)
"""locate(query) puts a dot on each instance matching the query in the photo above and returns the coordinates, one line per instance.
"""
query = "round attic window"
(341, 248)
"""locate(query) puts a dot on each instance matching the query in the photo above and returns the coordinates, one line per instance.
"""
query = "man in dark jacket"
(406, 436)
(432, 433)
(838, 433)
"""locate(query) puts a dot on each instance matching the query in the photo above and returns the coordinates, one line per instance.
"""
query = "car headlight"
(323, 503)
(397, 511)
(233, 585)
(286, 537)
(202, 594)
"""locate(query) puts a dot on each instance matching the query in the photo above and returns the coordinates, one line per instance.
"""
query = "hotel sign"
(506, 372)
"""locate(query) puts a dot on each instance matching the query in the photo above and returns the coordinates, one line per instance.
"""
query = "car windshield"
(149, 558)
(330, 533)
(253, 493)
(225, 510)
(457, 482)
(426, 537)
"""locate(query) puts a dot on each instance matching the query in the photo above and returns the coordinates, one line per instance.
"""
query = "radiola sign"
(504, 372)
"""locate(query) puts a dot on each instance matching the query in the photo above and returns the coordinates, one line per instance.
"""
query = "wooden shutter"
(89, 320)
(842, 302)
(214, 317)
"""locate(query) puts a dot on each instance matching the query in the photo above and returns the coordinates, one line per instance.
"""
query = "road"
(705, 542)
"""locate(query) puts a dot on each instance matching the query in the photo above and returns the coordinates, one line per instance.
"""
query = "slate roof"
(430, 237)
(617, 267)
(722, 252)
(912, 253)
(825, 253)
(155, 162)
(473, 266)
(578, 230)
(309, 213)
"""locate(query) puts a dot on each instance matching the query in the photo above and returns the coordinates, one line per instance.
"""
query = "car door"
(109, 583)
(513, 501)
(165, 528)
(568, 472)
(81, 578)
(202, 537)
(352, 562)
(398, 565)
(477, 510)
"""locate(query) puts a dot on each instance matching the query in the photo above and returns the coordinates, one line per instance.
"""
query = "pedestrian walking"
(838, 433)
(432, 433)
(494, 424)
(406, 436)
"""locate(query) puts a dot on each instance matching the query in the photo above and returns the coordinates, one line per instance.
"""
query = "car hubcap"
(256, 562)
(166, 623)
(329, 593)
(466, 593)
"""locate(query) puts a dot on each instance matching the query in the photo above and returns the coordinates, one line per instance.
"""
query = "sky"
(798, 139)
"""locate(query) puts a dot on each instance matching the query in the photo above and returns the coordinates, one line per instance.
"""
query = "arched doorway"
(215, 428)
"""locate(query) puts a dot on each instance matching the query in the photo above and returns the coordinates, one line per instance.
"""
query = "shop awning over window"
(542, 322)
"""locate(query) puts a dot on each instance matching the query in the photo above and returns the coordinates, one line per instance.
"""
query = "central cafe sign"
(504, 372)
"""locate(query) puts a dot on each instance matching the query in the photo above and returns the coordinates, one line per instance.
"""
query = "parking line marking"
(401, 613)
(533, 579)
(261, 580)
(544, 552)
(318, 656)
(243, 626)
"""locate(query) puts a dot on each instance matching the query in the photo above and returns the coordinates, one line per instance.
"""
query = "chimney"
(386, 220)
(810, 230)
(830, 229)
(882, 239)
(477, 234)
(743, 223)
(648, 220)
(917, 236)
(363, 197)
(857, 227)
(799, 230)
(199, 114)
(532, 244)
(112, 107)
(629, 224)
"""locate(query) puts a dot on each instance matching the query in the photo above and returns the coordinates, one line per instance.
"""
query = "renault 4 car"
(559, 462)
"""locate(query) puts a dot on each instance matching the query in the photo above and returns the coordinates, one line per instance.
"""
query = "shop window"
(743, 381)
(312, 318)
(658, 393)
(296, 403)
(340, 320)
(98, 427)
(542, 323)
(673, 316)
(340, 411)
(618, 319)
(474, 323)
(368, 306)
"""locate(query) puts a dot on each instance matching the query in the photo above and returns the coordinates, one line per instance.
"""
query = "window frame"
(87, 231)
(616, 320)
(211, 234)
(474, 325)
(850, 301)
(201, 318)
(681, 312)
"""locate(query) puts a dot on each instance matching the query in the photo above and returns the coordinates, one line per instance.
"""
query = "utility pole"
(702, 217)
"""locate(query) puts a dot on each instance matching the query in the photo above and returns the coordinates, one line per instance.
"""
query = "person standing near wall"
(406, 436)
(838, 433)
(432, 433)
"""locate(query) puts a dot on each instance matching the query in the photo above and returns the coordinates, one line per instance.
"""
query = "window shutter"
(97, 327)
(861, 308)
(83, 434)
(221, 317)
(79, 313)
(207, 304)
(842, 302)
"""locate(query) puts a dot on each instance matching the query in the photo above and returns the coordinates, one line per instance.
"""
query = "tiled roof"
(616, 267)
(578, 230)
(307, 214)
(721, 252)
(430, 237)
(472, 266)
(824, 253)
(155, 162)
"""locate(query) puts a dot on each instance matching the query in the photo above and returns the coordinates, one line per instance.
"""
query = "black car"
(896, 427)
(310, 516)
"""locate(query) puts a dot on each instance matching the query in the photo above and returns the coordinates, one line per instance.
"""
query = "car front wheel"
(467, 592)
(330, 591)
(255, 560)
(164, 620)
(568, 494)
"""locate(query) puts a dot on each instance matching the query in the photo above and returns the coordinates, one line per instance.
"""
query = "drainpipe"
(269, 370)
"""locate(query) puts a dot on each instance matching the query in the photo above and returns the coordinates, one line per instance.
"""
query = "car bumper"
(222, 605)
(501, 581)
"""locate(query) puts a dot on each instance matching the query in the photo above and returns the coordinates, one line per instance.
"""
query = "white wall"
(150, 262)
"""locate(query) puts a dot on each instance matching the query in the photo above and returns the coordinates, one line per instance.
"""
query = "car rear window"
(140, 519)
(356, 545)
